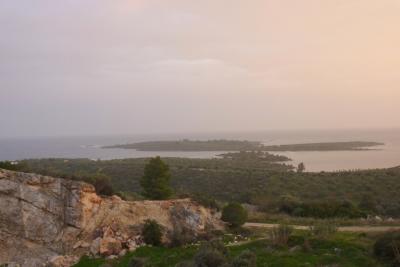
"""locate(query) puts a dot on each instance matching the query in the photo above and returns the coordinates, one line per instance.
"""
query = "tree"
(234, 214)
(155, 181)
(301, 167)
(152, 233)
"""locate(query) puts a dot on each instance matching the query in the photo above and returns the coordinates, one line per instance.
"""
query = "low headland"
(244, 145)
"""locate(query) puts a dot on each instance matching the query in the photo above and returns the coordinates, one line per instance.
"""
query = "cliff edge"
(53, 221)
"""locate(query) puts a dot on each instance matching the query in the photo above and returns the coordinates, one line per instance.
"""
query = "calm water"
(89, 147)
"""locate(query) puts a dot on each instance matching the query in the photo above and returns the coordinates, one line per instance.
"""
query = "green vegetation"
(251, 156)
(155, 181)
(137, 262)
(210, 254)
(257, 178)
(321, 209)
(280, 235)
(323, 230)
(245, 259)
(8, 165)
(268, 185)
(345, 250)
(102, 184)
(387, 248)
(234, 214)
(152, 233)
(234, 145)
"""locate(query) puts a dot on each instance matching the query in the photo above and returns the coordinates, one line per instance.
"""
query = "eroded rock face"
(43, 218)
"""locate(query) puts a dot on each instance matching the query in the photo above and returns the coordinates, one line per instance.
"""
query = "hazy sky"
(127, 66)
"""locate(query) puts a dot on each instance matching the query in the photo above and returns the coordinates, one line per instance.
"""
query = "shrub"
(245, 259)
(205, 201)
(234, 214)
(103, 185)
(181, 236)
(280, 235)
(387, 247)
(211, 254)
(323, 230)
(209, 258)
(215, 244)
(186, 264)
(136, 262)
(152, 233)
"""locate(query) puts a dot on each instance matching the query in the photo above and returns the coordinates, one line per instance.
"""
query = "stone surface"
(45, 219)
(62, 261)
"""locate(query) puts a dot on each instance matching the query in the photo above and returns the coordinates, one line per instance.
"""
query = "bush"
(245, 259)
(186, 264)
(205, 201)
(209, 258)
(152, 233)
(323, 230)
(215, 244)
(234, 214)
(181, 236)
(387, 247)
(138, 262)
(280, 235)
(211, 254)
(103, 185)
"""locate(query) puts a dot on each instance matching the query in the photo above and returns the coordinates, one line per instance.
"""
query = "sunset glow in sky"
(126, 66)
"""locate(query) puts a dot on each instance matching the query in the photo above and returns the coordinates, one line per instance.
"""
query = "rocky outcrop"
(46, 220)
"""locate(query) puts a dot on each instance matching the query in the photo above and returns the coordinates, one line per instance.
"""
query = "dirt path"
(356, 229)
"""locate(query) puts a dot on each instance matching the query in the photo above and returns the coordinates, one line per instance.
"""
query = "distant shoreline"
(237, 145)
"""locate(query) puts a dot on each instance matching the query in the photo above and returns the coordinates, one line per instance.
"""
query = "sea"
(90, 147)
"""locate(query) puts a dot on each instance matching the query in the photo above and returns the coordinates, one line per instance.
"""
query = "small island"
(255, 156)
(329, 146)
(190, 145)
(238, 145)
